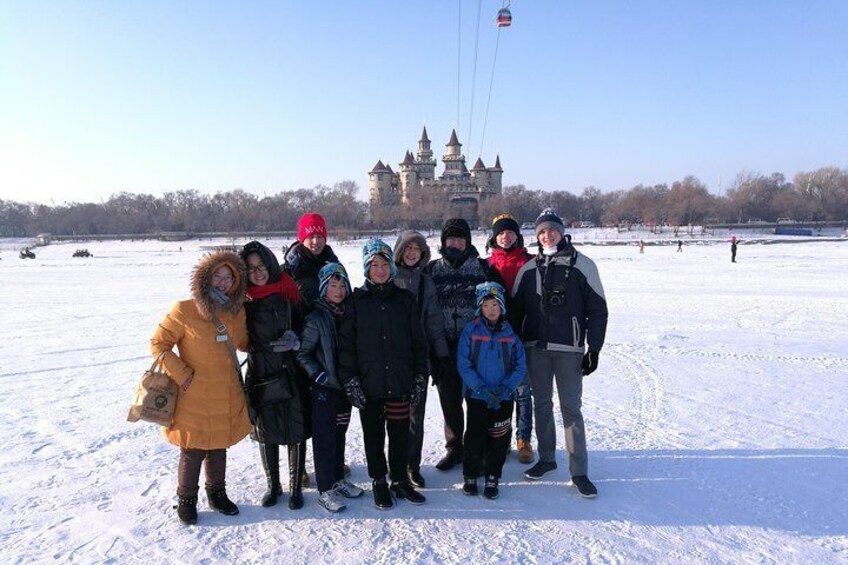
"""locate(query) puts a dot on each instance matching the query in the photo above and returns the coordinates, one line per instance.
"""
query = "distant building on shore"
(416, 176)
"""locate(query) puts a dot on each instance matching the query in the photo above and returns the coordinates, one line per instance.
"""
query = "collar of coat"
(201, 283)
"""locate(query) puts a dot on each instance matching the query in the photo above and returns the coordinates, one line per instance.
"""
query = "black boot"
(297, 461)
(187, 510)
(270, 453)
(219, 501)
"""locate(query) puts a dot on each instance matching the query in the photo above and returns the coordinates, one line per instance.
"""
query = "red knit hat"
(311, 224)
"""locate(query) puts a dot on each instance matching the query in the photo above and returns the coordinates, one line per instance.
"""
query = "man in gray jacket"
(411, 254)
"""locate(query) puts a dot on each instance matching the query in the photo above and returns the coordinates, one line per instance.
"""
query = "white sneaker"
(330, 500)
(347, 489)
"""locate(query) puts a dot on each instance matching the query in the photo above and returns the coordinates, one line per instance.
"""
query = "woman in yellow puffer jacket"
(211, 413)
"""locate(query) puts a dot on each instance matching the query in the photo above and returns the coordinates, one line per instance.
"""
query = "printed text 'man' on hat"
(311, 224)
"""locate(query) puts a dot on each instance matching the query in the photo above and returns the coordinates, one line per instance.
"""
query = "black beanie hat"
(456, 227)
(549, 219)
(502, 223)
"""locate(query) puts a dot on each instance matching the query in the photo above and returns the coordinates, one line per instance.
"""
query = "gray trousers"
(545, 366)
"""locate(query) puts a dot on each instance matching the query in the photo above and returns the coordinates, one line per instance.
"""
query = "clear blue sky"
(99, 97)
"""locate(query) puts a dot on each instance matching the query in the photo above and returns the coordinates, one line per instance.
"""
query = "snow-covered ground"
(716, 425)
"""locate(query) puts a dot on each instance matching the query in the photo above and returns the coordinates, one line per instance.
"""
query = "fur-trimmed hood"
(405, 238)
(201, 282)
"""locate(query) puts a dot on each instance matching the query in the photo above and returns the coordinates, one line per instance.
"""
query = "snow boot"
(490, 491)
(187, 510)
(404, 490)
(584, 486)
(382, 496)
(540, 469)
(449, 461)
(297, 460)
(525, 452)
(219, 502)
(271, 464)
(469, 487)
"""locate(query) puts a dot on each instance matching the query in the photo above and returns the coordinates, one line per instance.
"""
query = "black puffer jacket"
(381, 341)
(319, 345)
(302, 265)
(267, 319)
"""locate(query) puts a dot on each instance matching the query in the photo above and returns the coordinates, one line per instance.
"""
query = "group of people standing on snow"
(492, 334)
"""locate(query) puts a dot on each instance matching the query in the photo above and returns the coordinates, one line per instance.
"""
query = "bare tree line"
(818, 195)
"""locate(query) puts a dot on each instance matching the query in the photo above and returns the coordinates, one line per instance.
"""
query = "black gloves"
(590, 362)
(353, 389)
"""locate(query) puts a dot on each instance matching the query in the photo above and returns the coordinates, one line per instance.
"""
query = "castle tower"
(408, 178)
(380, 184)
(426, 164)
(480, 175)
(496, 176)
(453, 158)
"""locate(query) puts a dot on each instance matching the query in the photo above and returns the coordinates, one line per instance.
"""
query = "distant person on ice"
(383, 367)
(733, 249)
(680, 246)
(274, 318)
(641, 246)
(491, 362)
(319, 356)
(508, 255)
(412, 254)
(561, 309)
(211, 413)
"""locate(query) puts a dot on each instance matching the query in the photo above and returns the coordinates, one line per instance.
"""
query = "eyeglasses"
(257, 269)
(222, 279)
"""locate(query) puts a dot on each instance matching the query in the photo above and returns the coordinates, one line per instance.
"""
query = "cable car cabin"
(504, 17)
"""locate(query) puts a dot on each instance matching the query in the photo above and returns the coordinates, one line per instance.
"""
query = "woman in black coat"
(277, 391)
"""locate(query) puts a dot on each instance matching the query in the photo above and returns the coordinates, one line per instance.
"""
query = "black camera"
(555, 297)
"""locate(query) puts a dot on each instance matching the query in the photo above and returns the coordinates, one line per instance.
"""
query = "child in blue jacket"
(491, 362)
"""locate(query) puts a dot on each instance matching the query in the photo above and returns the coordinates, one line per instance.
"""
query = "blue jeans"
(524, 410)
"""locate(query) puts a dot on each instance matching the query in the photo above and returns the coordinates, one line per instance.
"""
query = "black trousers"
(379, 417)
(416, 432)
(450, 397)
(188, 474)
(486, 438)
(330, 420)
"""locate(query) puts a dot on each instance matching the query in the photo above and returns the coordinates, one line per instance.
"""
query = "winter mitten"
(353, 389)
(590, 362)
(418, 389)
(322, 378)
(289, 342)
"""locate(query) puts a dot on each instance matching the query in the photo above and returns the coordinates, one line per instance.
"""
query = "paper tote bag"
(155, 397)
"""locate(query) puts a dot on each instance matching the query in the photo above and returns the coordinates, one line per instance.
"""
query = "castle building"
(417, 176)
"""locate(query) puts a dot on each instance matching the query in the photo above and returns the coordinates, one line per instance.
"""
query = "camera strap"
(222, 332)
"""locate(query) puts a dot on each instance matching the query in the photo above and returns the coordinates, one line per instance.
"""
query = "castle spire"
(498, 163)
(454, 142)
(424, 135)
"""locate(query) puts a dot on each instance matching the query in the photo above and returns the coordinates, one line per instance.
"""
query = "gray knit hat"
(549, 219)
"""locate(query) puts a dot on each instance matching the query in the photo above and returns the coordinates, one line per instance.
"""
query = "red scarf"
(285, 287)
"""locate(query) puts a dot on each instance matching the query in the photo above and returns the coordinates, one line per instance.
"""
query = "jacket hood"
(267, 256)
(405, 238)
(201, 282)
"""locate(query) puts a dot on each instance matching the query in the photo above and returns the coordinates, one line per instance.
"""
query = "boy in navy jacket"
(490, 360)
